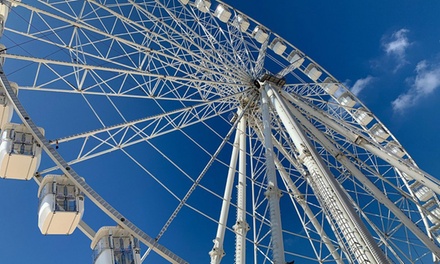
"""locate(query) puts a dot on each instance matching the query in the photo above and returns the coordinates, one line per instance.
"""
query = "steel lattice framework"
(218, 100)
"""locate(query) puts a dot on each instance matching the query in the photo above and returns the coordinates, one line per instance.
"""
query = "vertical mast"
(241, 227)
(273, 193)
(217, 251)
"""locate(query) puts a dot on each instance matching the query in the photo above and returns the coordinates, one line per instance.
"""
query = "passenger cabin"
(114, 245)
(222, 13)
(2, 52)
(6, 107)
(241, 22)
(379, 133)
(20, 154)
(422, 192)
(260, 34)
(346, 99)
(313, 72)
(362, 116)
(278, 46)
(5, 6)
(330, 86)
(395, 149)
(61, 205)
(203, 5)
(295, 59)
(434, 211)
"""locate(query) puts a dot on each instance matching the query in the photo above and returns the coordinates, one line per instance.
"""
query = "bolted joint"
(300, 198)
(217, 252)
(305, 155)
(271, 191)
(241, 226)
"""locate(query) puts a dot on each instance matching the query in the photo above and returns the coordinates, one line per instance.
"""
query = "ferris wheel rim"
(317, 83)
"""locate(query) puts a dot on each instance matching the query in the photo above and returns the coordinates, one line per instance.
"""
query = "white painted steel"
(272, 193)
(360, 242)
(195, 65)
(241, 226)
(217, 251)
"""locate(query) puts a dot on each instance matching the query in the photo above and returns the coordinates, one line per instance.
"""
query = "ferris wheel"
(185, 131)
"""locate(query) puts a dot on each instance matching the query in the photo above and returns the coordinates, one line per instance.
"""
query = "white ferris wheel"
(185, 131)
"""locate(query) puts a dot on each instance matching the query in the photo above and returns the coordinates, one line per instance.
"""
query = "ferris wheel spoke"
(199, 178)
(165, 33)
(218, 41)
(186, 34)
(171, 87)
(239, 47)
(177, 88)
(160, 57)
(112, 138)
(138, 27)
(259, 64)
(296, 61)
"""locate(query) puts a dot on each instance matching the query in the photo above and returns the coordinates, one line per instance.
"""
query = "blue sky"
(388, 53)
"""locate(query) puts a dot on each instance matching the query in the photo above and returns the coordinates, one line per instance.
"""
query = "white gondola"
(395, 149)
(278, 46)
(222, 13)
(295, 59)
(260, 34)
(435, 219)
(61, 205)
(379, 133)
(362, 116)
(2, 52)
(346, 99)
(4, 11)
(313, 72)
(114, 245)
(330, 86)
(6, 107)
(20, 154)
(434, 211)
(203, 5)
(241, 22)
(5, 7)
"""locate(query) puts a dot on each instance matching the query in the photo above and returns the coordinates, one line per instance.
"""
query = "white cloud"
(396, 46)
(360, 85)
(425, 83)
